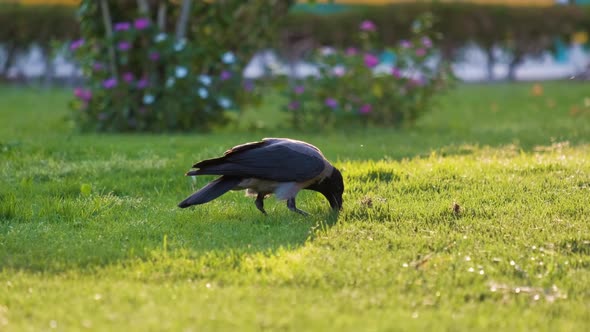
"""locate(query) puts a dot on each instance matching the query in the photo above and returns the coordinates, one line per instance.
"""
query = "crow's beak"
(335, 201)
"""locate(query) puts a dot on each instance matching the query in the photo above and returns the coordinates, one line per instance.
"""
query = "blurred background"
(183, 65)
(484, 39)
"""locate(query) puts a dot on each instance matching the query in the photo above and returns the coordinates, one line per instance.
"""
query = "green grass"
(91, 238)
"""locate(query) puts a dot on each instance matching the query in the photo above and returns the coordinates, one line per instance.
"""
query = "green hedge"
(458, 22)
(23, 25)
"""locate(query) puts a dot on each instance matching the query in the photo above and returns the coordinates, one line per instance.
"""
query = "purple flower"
(76, 44)
(83, 94)
(109, 83)
(248, 85)
(154, 56)
(405, 44)
(331, 102)
(122, 26)
(294, 105)
(97, 66)
(128, 77)
(395, 72)
(123, 45)
(427, 42)
(351, 51)
(371, 60)
(366, 109)
(141, 23)
(142, 83)
(142, 110)
(421, 52)
(300, 89)
(367, 25)
(225, 75)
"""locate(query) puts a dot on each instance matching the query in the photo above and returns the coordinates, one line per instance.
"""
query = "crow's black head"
(332, 188)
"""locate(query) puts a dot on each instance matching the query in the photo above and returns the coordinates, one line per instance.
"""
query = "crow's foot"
(260, 203)
(291, 205)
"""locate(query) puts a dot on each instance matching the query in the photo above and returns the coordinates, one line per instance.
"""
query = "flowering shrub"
(354, 85)
(143, 77)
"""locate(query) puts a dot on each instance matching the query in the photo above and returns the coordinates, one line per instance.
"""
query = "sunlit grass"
(475, 219)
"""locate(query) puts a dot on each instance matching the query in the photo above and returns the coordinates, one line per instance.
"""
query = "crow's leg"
(260, 202)
(292, 207)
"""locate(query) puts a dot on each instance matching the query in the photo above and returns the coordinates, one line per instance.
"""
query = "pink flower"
(427, 42)
(123, 45)
(128, 77)
(154, 56)
(421, 52)
(351, 51)
(300, 89)
(83, 94)
(78, 92)
(367, 25)
(122, 26)
(293, 105)
(339, 71)
(87, 95)
(331, 102)
(371, 60)
(76, 44)
(414, 82)
(366, 109)
(141, 23)
(396, 72)
(405, 44)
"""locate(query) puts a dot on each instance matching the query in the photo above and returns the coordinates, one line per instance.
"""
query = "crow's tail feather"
(192, 173)
(211, 191)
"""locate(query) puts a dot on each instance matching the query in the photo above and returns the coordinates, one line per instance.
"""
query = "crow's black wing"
(235, 149)
(276, 160)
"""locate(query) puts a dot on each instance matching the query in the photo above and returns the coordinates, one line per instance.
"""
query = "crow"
(273, 165)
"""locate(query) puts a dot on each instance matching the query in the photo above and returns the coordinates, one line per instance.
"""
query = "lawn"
(476, 219)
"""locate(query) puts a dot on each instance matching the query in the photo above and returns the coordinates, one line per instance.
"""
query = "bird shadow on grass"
(119, 233)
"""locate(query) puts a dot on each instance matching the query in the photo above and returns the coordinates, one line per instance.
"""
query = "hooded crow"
(274, 165)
